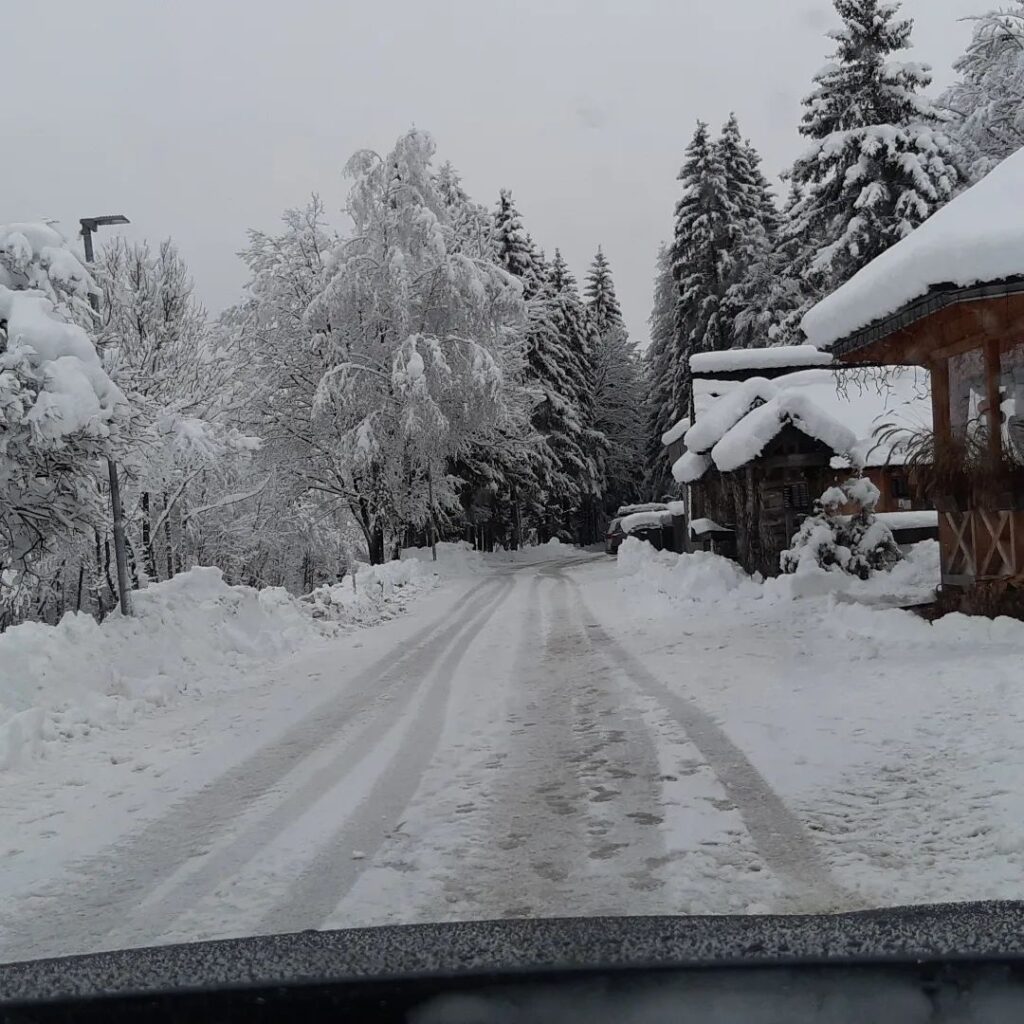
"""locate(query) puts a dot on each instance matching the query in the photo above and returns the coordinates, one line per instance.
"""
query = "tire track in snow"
(313, 897)
(778, 834)
(82, 911)
(228, 861)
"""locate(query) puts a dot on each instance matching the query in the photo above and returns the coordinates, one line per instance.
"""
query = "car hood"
(949, 931)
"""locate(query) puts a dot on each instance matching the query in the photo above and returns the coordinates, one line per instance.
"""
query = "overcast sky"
(202, 118)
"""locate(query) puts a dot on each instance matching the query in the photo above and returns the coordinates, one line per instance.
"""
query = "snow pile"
(977, 238)
(454, 559)
(379, 591)
(188, 634)
(758, 359)
(695, 577)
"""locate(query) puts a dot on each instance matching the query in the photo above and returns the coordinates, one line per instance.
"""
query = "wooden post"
(433, 525)
(941, 423)
(995, 416)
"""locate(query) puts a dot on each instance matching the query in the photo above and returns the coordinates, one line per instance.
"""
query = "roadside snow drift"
(188, 634)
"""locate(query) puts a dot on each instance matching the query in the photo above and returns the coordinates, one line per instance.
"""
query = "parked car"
(613, 537)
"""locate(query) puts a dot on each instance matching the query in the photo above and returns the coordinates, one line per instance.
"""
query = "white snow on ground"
(976, 238)
(899, 743)
(188, 635)
(549, 733)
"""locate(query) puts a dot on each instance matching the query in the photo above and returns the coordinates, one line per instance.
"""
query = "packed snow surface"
(553, 733)
(758, 359)
(976, 238)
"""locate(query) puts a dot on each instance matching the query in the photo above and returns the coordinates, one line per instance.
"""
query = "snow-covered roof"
(699, 527)
(677, 509)
(690, 467)
(857, 414)
(646, 521)
(759, 359)
(723, 414)
(976, 238)
(918, 520)
(651, 506)
(745, 441)
(673, 435)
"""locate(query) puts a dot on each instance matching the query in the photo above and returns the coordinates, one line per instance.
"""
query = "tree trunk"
(377, 546)
(148, 554)
(168, 549)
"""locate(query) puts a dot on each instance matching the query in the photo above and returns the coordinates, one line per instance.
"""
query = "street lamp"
(89, 225)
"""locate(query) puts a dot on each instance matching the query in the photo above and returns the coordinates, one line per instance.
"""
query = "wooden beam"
(995, 418)
(939, 369)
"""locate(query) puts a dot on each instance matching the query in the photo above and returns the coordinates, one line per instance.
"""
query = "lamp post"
(89, 225)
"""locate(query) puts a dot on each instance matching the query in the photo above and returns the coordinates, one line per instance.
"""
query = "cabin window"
(1011, 393)
(967, 393)
(898, 487)
(796, 496)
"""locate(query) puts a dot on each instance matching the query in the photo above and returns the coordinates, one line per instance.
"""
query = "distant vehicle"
(614, 536)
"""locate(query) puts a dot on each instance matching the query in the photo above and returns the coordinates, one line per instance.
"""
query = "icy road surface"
(523, 743)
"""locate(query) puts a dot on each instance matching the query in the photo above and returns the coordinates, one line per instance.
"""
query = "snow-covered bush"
(857, 544)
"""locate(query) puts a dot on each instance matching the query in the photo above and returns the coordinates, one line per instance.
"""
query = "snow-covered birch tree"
(412, 342)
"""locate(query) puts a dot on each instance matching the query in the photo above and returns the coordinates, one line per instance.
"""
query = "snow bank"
(453, 559)
(707, 578)
(696, 577)
(758, 359)
(976, 238)
(189, 634)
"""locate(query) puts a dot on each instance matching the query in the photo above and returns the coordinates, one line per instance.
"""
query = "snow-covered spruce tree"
(470, 222)
(413, 341)
(751, 263)
(988, 99)
(660, 410)
(160, 349)
(556, 366)
(618, 392)
(60, 413)
(578, 446)
(855, 543)
(880, 162)
(700, 254)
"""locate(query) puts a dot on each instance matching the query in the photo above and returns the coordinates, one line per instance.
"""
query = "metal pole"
(433, 525)
(120, 554)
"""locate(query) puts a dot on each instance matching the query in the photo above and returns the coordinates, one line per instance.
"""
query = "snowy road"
(512, 747)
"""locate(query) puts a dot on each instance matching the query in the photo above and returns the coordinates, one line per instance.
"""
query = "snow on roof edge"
(759, 358)
(976, 238)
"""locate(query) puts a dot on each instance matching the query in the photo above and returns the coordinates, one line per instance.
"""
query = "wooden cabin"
(763, 451)
(950, 298)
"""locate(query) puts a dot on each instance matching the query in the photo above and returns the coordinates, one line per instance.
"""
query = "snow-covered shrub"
(857, 544)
